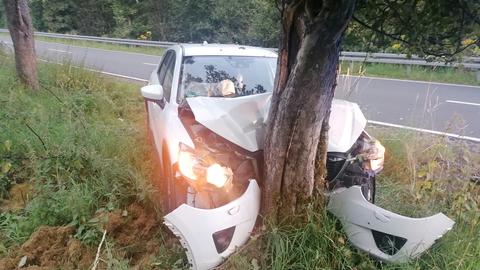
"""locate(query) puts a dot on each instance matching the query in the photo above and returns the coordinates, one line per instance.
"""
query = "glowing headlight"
(218, 175)
(195, 166)
(186, 164)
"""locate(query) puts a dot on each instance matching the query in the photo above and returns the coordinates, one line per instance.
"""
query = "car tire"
(174, 192)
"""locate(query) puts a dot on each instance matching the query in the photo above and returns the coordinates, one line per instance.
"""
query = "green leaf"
(6, 166)
(8, 145)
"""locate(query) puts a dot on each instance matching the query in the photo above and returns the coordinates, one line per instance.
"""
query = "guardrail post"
(478, 75)
(409, 70)
(351, 66)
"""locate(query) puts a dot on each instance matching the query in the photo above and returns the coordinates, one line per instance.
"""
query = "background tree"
(58, 16)
(257, 22)
(2, 17)
(21, 31)
(312, 31)
(438, 28)
(36, 12)
(93, 17)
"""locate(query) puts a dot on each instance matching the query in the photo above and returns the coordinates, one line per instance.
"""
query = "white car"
(207, 107)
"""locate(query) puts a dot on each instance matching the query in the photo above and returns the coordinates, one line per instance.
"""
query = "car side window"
(168, 78)
(163, 67)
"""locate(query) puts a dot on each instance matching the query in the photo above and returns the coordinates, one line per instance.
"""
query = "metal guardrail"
(403, 59)
(387, 58)
(122, 41)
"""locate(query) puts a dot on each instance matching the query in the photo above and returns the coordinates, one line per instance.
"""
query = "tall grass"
(426, 174)
(79, 141)
(418, 73)
(423, 175)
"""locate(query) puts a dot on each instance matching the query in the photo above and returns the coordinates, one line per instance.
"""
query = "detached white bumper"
(196, 227)
(385, 235)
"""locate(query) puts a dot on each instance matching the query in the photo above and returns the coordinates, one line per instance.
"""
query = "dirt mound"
(134, 231)
(50, 248)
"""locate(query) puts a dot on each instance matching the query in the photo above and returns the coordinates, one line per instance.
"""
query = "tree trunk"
(21, 31)
(296, 141)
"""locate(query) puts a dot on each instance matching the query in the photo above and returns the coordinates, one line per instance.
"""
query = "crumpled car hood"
(242, 120)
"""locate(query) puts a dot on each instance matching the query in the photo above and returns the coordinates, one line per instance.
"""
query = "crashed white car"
(207, 107)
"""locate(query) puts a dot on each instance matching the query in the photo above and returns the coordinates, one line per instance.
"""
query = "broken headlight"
(199, 167)
(371, 152)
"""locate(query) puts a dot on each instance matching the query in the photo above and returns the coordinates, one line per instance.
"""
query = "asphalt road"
(429, 107)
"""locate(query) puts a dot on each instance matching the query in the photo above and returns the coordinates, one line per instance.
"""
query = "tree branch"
(425, 51)
(36, 135)
(379, 31)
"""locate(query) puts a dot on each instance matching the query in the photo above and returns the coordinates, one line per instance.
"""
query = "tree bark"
(21, 31)
(296, 141)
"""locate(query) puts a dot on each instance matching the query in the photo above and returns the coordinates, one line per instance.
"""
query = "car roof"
(226, 49)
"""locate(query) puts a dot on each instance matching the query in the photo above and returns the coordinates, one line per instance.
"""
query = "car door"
(158, 111)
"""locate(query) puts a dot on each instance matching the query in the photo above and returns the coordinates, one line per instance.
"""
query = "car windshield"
(227, 76)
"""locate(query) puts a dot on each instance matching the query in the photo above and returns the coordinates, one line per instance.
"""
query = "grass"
(418, 73)
(423, 175)
(102, 45)
(65, 140)
(430, 174)
(69, 143)
(69, 140)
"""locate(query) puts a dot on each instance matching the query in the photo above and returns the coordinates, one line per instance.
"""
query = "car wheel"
(175, 192)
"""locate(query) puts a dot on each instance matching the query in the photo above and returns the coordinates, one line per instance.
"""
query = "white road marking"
(150, 64)
(452, 135)
(119, 75)
(462, 102)
(411, 81)
(61, 51)
(102, 72)
(98, 49)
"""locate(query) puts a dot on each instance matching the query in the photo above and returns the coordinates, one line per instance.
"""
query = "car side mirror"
(153, 92)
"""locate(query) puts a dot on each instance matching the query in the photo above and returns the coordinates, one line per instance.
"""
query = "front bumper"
(196, 227)
(383, 234)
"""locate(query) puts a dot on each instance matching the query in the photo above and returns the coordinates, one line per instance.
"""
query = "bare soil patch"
(50, 248)
(19, 195)
(132, 231)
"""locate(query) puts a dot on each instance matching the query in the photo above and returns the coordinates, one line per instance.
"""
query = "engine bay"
(212, 148)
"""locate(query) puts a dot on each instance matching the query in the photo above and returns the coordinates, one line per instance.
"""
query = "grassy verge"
(418, 73)
(423, 175)
(426, 174)
(74, 158)
(101, 45)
